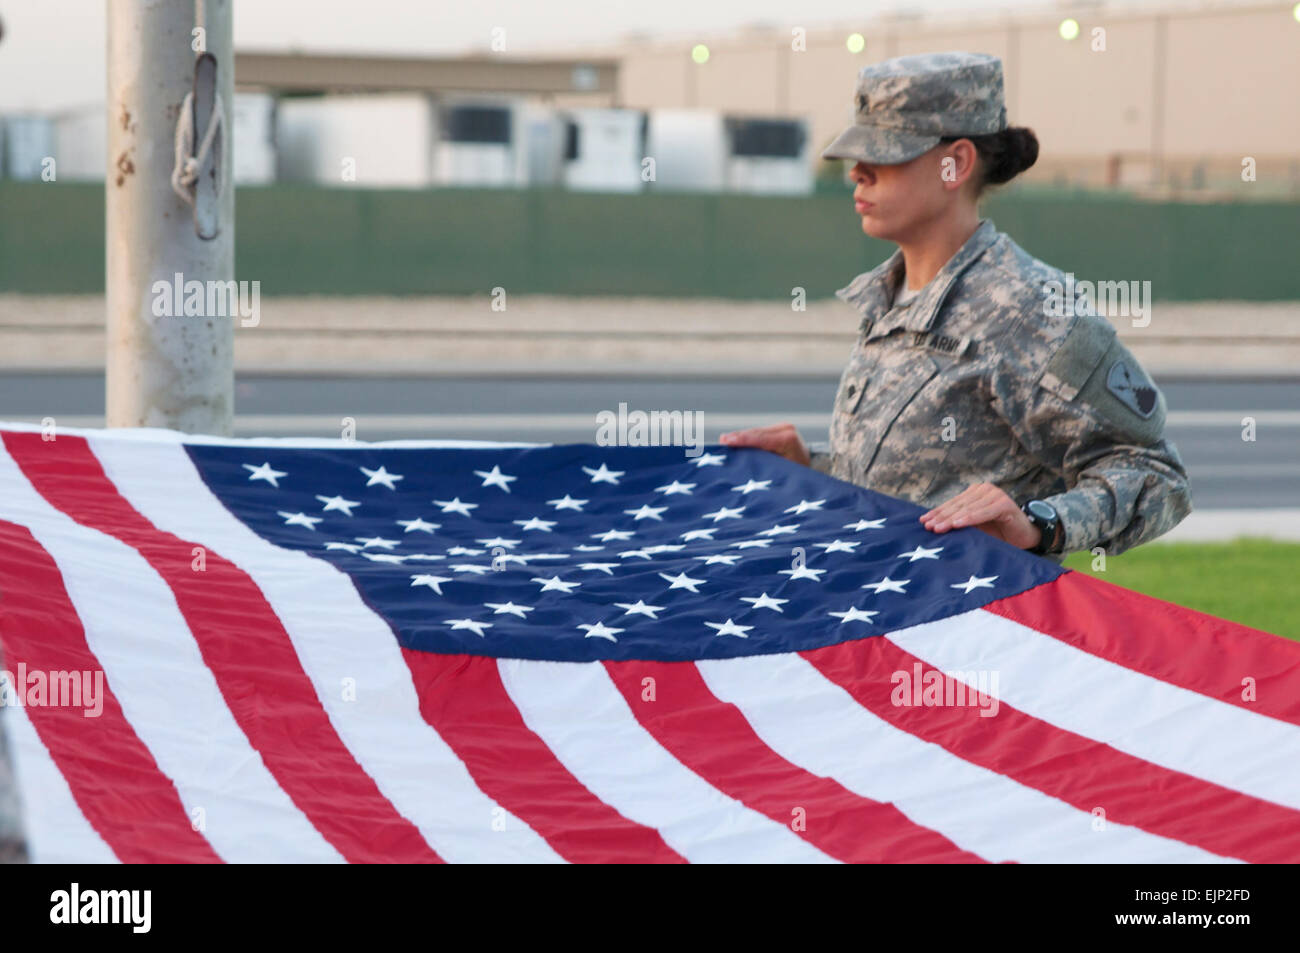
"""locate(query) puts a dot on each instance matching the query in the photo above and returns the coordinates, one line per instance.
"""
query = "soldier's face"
(896, 202)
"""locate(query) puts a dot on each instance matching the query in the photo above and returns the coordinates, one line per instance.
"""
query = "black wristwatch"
(1044, 516)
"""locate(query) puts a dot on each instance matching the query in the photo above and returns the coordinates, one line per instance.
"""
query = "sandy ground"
(563, 334)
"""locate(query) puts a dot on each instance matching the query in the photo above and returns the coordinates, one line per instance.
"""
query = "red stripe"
(714, 739)
(1080, 771)
(1180, 646)
(111, 773)
(244, 644)
(463, 698)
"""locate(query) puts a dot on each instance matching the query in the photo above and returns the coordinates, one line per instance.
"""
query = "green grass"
(1250, 581)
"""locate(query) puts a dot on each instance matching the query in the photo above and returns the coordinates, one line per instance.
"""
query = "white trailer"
(689, 149)
(378, 141)
(604, 149)
(28, 143)
(768, 156)
(479, 144)
(253, 138)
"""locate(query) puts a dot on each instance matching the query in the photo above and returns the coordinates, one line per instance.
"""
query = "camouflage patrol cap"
(903, 106)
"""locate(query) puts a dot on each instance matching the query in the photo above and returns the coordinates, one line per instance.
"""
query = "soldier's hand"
(985, 507)
(781, 439)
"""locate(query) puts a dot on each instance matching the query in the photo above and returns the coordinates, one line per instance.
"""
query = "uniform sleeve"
(1094, 416)
(821, 456)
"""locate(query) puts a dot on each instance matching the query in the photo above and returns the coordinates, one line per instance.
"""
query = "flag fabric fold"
(221, 650)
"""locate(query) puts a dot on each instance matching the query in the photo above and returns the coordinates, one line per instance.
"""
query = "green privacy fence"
(302, 240)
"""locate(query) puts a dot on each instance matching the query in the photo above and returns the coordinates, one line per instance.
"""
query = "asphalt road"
(1205, 421)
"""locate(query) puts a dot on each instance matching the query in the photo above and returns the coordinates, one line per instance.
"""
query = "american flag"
(321, 651)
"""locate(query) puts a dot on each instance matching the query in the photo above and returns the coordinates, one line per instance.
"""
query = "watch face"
(1041, 510)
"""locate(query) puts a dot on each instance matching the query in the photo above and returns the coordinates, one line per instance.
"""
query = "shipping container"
(768, 156)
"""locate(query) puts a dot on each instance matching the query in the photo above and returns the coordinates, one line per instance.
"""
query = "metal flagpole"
(170, 235)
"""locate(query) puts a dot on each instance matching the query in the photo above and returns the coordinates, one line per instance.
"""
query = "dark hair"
(1003, 155)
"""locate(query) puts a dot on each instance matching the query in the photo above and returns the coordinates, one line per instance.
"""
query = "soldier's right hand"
(781, 439)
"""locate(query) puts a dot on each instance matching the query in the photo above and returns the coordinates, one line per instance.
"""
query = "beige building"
(1167, 98)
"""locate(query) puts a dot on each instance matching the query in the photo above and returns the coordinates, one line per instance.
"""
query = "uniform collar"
(872, 293)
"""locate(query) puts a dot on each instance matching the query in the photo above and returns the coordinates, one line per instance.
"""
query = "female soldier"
(970, 390)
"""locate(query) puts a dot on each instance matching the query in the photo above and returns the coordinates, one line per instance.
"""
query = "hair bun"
(1016, 151)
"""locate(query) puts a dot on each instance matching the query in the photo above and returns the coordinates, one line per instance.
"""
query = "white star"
(337, 503)
(780, 530)
(709, 460)
(729, 628)
(765, 602)
(606, 568)
(471, 567)
(567, 502)
(647, 513)
(265, 472)
(698, 534)
(837, 546)
(496, 541)
(385, 557)
(640, 608)
(725, 558)
(888, 585)
(639, 553)
(368, 541)
(751, 544)
(424, 556)
(613, 535)
(350, 547)
(604, 474)
(588, 548)
(751, 485)
(500, 607)
(683, 581)
(456, 506)
(534, 523)
(860, 525)
(556, 583)
(803, 506)
(803, 572)
(495, 477)
(975, 582)
(668, 489)
(418, 525)
(433, 582)
(724, 513)
(464, 551)
(854, 615)
(921, 553)
(475, 627)
(664, 548)
(381, 476)
(300, 519)
(599, 630)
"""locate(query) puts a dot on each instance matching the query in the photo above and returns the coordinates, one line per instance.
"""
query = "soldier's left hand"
(985, 507)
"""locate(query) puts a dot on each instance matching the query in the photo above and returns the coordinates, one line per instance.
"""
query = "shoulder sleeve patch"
(1077, 357)
(1132, 387)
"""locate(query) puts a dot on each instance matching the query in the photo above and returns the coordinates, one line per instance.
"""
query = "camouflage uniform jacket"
(973, 382)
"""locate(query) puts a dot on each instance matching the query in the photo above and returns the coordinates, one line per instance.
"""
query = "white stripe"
(160, 435)
(812, 722)
(1135, 713)
(583, 718)
(337, 637)
(57, 832)
(168, 695)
